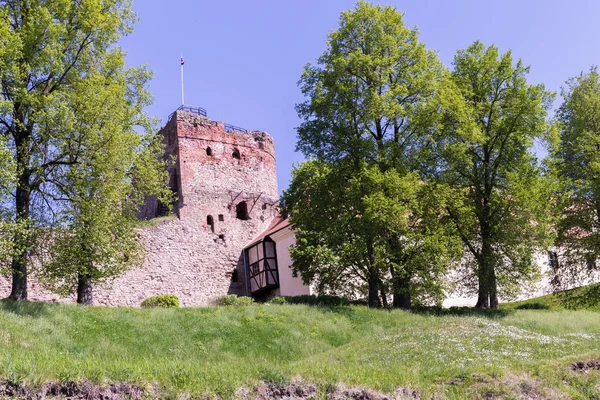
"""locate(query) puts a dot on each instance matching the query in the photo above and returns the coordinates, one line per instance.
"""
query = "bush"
(320, 300)
(532, 306)
(164, 300)
(278, 300)
(233, 300)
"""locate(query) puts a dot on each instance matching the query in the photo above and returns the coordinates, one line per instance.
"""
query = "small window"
(236, 154)
(209, 151)
(221, 218)
(590, 261)
(222, 237)
(553, 259)
(261, 145)
(210, 222)
(241, 211)
(234, 276)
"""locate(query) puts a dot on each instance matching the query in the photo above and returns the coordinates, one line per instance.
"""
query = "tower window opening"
(234, 276)
(553, 260)
(261, 146)
(221, 218)
(209, 151)
(210, 222)
(236, 154)
(241, 211)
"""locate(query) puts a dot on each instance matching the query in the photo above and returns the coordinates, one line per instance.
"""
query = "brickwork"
(198, 255)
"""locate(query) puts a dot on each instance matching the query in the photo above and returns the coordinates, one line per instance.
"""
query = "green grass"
(454, 355)
(155, 221)
(582, 298)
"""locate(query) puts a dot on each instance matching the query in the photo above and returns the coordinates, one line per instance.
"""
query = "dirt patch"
(521, 387)
(300, 391)
(583, 366)
(75, 391)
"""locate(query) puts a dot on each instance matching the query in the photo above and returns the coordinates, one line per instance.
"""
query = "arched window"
(236, 154)
(241, 211)
(210, 222)
(208, 151)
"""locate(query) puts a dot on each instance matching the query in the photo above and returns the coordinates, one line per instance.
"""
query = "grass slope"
(216, 350)
(581, 298)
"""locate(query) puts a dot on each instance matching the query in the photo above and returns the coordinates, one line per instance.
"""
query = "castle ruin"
(225, 182)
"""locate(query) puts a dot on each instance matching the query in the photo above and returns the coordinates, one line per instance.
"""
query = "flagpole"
(182, 95)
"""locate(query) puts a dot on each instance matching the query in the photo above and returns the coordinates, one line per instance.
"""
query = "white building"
(268, 269)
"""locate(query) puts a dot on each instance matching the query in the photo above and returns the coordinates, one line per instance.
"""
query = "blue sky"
(243, 58)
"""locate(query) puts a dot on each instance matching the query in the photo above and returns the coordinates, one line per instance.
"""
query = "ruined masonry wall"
(184, 256)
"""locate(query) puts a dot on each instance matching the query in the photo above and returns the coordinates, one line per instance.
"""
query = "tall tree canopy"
(63, 81)
(368, 122)
(576, 160)
(486, 155)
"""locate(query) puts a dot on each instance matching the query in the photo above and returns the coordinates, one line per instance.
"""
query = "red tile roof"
(276, 225)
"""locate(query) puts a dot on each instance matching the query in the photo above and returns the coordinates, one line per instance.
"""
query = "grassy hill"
(215, 351)
(582, 298)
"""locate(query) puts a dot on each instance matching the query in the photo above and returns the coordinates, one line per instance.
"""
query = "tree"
(368, 115)
(486, 154)
(349, 225)
(51, 52)
(576, 160)
(117, 169)
(8, 226)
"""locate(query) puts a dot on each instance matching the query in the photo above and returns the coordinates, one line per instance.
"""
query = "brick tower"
(226, 186)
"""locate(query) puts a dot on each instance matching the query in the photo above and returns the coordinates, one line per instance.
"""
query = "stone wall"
(188, 255)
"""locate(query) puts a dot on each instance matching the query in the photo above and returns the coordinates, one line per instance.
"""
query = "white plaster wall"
(288, 284)
(540, 288)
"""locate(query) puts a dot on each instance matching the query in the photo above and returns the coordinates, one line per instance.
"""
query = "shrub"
(233, 300)
(164, 300)
(533, 306)
(320, 300)
(279, 300)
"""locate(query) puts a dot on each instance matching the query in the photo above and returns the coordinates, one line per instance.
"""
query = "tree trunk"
(482, 295)
(84, 290)
(20, 260)
(373, 277)
(19, 276)
(384, 301)
(373, 288)
(402, 293)
(493, 289)
(485, 261)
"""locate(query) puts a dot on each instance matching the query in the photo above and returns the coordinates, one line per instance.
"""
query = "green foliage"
(575, 160)
(163, 301)
(533, 306)
(82, 152)
(485, 146)
(234, 300)
(278, 300)
(359, 206)
(319, 300)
